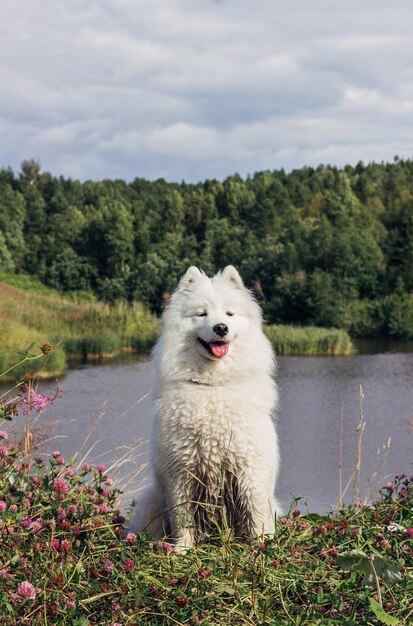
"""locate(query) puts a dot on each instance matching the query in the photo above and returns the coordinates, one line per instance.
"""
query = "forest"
(322, 246)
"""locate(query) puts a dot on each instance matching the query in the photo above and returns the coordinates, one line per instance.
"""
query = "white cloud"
(196, 88)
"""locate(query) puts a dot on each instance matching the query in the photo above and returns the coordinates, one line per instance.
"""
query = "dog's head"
(214, 312)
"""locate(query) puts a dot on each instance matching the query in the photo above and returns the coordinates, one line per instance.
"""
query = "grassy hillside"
(76, 327)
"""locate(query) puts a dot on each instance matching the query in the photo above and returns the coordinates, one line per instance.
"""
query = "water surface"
(318, 397)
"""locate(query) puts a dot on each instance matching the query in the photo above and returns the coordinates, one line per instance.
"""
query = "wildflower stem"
(376, 580)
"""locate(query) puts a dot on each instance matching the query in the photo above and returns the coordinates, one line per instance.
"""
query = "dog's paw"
(184, 543)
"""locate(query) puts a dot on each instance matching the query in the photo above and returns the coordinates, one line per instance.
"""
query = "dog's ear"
(191, 275)
(231, 274)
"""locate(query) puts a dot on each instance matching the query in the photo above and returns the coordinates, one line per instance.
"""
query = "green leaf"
(358, 561)
(222, 588)
(387, 571)
(381, 615)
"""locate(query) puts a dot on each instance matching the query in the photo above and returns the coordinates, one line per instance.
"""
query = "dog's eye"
(201, 314)
(230, 313)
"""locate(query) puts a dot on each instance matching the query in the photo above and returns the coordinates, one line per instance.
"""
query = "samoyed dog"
(215, 452)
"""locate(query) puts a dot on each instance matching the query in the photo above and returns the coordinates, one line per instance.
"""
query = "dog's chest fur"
(203, 427)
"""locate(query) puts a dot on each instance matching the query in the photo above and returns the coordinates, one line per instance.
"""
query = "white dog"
(215, 451)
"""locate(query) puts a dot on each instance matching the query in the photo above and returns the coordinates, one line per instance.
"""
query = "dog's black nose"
(221, 329)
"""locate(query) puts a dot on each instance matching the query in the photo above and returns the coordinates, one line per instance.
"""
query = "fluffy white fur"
(215, 450)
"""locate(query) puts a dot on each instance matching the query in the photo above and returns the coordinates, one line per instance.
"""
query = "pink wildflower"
(204, 573)
(5, 573)
(3, 434)
(66, 545)
(55, 454)
(70, 604)
(4, 450)
(26, 590)
(3, 505)
(108, 565)
(14, 508)
(61, 487)
(37, 524)
(129, 565)
(61, 513)
(55, 543)
(101, 468)
(32, 402)
(409, 532)
(130, 538)
(86, 467)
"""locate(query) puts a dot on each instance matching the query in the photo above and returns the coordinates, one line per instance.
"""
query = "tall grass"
(309, 340)
(82, 329)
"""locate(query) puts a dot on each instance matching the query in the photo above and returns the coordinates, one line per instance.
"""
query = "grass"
(309, 340)
(79, 328)
(67, 558)
(65, 553)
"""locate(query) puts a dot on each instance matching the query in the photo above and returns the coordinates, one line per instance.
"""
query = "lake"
(105, 411)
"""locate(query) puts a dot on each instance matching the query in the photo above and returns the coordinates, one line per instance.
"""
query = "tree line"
(325, 246)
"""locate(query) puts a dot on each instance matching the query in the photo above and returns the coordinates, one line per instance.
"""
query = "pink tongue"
(219, 349)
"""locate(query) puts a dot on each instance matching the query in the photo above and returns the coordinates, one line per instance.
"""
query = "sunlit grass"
(82, 328)
(309, 340)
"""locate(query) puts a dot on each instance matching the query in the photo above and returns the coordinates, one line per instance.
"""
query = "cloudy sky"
(195, 89)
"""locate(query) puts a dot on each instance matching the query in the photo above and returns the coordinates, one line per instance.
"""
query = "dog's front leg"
(181, 518)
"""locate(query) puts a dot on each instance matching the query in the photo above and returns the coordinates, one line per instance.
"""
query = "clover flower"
(129, 565)
(61, 487)
(26, 590)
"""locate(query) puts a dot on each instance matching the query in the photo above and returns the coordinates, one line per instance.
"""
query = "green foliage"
(309, 340)
(323, 246)
(81, 328)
